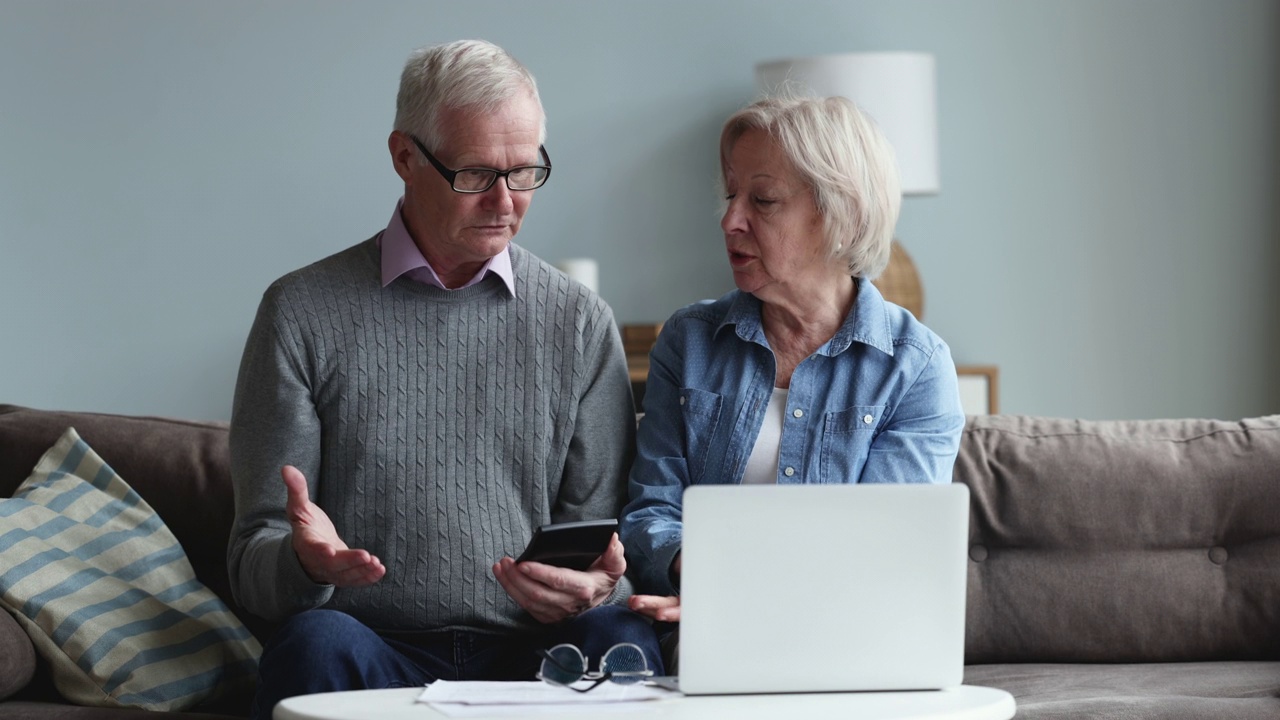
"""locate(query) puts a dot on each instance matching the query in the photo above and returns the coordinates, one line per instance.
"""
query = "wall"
(1106, 233)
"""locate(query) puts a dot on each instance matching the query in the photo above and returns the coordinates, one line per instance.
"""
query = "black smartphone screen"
(573, 545)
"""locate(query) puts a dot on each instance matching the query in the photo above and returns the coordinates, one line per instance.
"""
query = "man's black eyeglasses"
(477, 180)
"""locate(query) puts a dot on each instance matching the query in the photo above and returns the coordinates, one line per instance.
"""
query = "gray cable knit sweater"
(436, 428)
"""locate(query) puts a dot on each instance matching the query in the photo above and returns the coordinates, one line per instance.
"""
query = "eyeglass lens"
(564, 665)
(479, 180)
(624, 664)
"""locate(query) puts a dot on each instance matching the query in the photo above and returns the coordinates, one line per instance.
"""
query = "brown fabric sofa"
(1117, 569)
(1125, 569)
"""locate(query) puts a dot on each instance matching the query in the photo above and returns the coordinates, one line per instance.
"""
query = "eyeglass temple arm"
(542, 653)
(596, 682)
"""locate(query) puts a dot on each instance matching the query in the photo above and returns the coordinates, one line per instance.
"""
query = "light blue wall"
(1107, 231)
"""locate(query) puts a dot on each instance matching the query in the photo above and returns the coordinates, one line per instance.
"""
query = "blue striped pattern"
(107, 593)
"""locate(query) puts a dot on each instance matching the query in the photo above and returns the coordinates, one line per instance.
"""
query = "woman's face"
(772, 229)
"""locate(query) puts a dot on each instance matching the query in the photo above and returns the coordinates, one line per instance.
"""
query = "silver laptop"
(813, 588)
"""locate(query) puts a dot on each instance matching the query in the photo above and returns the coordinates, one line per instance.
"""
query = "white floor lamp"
(899, 90)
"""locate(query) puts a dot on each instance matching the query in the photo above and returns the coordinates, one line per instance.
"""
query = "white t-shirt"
(762, 464)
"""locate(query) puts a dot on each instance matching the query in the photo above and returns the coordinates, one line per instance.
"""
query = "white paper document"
(464, 699)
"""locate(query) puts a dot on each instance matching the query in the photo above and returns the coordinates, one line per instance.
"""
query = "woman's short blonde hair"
(847, 163)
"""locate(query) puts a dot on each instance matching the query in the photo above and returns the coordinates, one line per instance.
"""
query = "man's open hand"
(324, 556)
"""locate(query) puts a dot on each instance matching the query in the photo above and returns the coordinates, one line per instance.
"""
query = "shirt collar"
(401, 256)
(867, 322)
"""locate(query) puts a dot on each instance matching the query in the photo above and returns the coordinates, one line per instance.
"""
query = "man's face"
(458, 231)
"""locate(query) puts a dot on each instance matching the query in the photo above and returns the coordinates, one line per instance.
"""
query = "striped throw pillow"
(107, 594)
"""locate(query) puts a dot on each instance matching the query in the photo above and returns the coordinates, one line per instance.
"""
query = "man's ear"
(402, 154)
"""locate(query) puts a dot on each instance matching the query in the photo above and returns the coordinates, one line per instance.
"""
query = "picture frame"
(979, 389)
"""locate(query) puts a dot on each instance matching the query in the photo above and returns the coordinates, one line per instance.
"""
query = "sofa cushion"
(1122, 541)
(1167, 691)
(107, 595)
(17, 657)
(182, 468)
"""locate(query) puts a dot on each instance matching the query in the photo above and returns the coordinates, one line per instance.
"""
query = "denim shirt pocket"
(846, 441)
(700, 413)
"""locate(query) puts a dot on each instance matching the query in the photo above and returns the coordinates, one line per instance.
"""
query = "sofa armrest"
(17, 656)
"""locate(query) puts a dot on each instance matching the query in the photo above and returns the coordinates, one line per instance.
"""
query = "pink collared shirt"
(401, 256)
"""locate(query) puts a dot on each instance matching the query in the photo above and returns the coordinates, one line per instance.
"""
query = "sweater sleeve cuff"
(621, 592)
(301, 592)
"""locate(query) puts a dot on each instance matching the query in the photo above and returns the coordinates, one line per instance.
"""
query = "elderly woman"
(804, 374)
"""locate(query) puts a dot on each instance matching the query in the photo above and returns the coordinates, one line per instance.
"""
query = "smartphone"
(573, 545)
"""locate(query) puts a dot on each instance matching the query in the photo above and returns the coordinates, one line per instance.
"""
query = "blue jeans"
(327, 651)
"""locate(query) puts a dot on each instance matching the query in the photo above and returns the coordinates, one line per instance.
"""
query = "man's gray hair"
(461, 74)
(847, 163)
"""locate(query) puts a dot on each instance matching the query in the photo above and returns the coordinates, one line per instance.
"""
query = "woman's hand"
(658, 607)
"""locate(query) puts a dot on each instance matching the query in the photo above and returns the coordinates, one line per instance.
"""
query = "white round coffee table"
(967, 702)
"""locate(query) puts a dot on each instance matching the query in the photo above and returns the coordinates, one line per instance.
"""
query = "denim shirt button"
(681, 399)
(867, 419)
(798, 413)
(789, 471)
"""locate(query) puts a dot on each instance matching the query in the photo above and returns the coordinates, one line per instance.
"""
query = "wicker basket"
(900, 283)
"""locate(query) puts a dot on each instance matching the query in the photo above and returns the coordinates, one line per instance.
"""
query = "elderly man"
(410, 409)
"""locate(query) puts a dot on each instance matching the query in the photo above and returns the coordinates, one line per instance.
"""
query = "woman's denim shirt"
(878, 403)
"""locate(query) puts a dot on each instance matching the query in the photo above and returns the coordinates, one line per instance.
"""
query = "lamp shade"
(897, 89)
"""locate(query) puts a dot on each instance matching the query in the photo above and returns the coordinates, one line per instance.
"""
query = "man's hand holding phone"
(551, 593)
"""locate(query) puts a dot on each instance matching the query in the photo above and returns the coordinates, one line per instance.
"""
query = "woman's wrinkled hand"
(663, 608)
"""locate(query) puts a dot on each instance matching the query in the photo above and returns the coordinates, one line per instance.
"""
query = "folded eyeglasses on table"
(565, 665)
